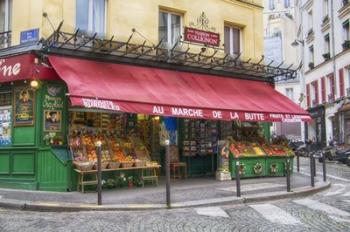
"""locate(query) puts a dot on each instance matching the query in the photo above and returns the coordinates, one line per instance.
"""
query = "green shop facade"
(35, 100)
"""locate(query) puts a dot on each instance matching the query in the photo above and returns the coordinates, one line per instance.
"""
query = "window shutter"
(331, 85)
(316, 92)
(308, 95)
(323, 89)
(341, 83)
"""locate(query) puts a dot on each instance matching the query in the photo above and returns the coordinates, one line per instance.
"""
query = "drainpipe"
(333, 59)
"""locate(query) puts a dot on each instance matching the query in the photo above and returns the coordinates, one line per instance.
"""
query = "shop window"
(290, 93)
(5, 118)
(5, 15)
(232, 41)
(91, 16)
(169, 28)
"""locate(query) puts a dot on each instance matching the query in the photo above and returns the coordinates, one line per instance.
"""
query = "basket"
(127, 164)
(103, 165)
(84, 166)
(113, 165)
(139, 163)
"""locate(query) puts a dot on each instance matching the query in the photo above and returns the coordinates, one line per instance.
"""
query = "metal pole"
(167, 173)
(298, 162)
(312, 171)
(324, 166)
(99, 174)
(288, 174)
(237, 176)
(314, 163)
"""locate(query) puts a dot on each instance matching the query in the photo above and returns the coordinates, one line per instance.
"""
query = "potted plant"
(346, 44)
(311, 65)
(326, 56)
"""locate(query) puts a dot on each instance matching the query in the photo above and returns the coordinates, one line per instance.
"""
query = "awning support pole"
(99, 174)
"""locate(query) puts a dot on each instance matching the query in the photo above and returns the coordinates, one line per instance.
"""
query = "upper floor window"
(345, 2)
(5, 15)
(327, 44)
(310, 19)
(290, 93)
(169, 27)
(232, 40)
(286, 3)
(311, 54)
(346, 32)
(91, 15)
(325, 7)
(271, 4)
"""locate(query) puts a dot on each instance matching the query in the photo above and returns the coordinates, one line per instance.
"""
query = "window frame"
(169, 31)
(90, 18)
(325, 8)
(327, 47)
(310, 19)
(231, 40)
(346, 30)
(8, 14)
(311, 54)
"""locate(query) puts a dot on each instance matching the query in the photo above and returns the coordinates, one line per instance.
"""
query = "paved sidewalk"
(184, 193)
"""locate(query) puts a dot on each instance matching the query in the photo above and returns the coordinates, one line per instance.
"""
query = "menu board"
(5, 125)
(24, 106)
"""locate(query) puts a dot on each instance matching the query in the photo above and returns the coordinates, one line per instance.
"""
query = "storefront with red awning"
(65, 98)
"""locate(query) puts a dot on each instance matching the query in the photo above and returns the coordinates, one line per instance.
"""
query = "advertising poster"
(24, 107)
(5, 125)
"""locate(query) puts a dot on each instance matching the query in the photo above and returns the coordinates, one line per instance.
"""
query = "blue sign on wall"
(30, 36)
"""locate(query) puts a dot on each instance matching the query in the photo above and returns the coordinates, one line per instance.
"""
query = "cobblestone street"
(326, 211)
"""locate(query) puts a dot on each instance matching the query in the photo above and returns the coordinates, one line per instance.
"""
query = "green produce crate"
(275, 165)
(254, 166)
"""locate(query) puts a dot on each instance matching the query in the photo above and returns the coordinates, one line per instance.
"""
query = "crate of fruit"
(83, 166)
(127, 164)
(139, 163)
(113, 165)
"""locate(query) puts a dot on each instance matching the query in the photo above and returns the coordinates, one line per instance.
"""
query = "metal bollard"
(298, 162)
(324, 167)
(238, 181)
(314, 162)
(312, 171)
(167, 173)
(99, 174)
(288, 174)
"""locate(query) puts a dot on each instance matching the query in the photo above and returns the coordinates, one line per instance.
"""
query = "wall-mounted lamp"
(34, 84)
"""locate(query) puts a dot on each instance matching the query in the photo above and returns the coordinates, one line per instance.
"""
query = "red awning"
(23, 67)
(154, 91)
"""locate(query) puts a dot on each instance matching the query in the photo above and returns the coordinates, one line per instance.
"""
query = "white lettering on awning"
(100, 104)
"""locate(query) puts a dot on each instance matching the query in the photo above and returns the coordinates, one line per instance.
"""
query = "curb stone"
(66, 207)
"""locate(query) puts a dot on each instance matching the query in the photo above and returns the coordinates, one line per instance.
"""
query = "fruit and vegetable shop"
(56, 104)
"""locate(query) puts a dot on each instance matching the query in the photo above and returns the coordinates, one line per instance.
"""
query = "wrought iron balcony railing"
(5, 39)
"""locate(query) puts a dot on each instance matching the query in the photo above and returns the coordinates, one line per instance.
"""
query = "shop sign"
(53, 98)
(16, 68)
(24, 106)
(187, 112)
(100, 104)
(202, 37)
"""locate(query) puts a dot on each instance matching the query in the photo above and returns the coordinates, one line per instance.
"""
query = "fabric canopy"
(154, 91)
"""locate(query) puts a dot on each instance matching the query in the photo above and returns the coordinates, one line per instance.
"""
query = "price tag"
(237, 163)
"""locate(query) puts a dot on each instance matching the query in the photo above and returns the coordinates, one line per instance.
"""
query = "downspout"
(333, 48)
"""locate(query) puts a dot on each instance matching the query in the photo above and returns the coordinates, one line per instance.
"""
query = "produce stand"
(92, 175)
(259, 160)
